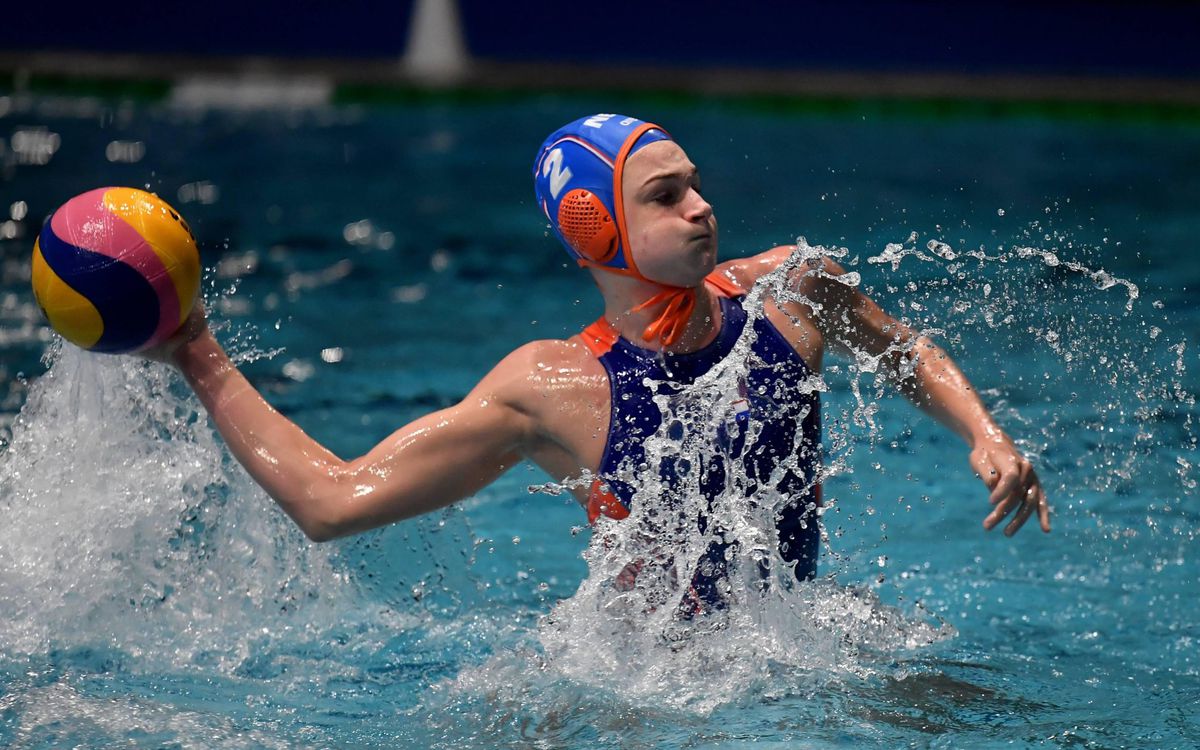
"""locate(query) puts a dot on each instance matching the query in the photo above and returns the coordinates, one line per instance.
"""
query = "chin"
(698, 272)
(706, 259)
(687, 268)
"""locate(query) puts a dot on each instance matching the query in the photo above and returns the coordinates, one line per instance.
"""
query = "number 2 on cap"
(558, 174)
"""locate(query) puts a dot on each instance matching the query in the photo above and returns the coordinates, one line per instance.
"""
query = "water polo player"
(625, 201)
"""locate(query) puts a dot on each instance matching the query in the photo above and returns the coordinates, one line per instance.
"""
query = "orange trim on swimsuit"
(724, 285)
(602, 502)
(599, 337)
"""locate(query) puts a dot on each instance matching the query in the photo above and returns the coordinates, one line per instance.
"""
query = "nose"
(698, 209)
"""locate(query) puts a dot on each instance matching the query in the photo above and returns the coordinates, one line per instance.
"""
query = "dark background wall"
(1071, 37)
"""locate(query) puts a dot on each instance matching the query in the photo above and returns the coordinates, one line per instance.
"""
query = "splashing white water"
(125, 527)
(99, 722)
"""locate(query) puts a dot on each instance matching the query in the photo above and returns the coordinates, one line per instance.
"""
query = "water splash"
(126, 526)
(106, 722)
(1013, 300)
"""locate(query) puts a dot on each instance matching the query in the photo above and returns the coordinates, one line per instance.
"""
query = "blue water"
(368, 265)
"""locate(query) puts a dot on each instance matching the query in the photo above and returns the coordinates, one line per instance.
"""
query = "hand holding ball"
(116, 270)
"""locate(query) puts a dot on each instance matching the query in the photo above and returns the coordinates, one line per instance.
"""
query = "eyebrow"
(684, 174)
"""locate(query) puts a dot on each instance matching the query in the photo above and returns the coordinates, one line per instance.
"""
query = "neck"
(625, 308)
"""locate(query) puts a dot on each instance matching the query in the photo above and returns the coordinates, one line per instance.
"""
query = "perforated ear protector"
(587, 227)
(577, 180)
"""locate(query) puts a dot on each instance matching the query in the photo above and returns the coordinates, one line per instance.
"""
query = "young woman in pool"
(625, 200)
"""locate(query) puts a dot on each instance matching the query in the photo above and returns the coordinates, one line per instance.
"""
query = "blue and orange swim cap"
(577, 180)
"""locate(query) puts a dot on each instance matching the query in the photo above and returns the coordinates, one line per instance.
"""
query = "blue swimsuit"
(772, 401)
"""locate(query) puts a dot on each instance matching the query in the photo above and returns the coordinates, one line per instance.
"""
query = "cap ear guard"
(587, 226)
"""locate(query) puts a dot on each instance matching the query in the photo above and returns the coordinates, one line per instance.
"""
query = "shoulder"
(541, 367)
(559, 392)
(812, 276)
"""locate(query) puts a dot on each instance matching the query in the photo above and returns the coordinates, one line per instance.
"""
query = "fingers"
(1002, 483)
(196, 321)
(1027, 498)
(1013, 483)
(1035, 501)
(1028, 506)
(1018, 489)
(1002, 509)
(1043, 511)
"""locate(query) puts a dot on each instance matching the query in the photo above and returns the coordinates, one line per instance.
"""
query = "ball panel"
(82, 222)
(171, 242)
(68, 311)
(127, 303)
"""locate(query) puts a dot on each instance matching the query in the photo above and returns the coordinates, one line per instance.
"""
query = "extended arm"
(432, 462)
(927, 375)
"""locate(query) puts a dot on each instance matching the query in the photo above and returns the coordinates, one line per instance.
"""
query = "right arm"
(432, 462)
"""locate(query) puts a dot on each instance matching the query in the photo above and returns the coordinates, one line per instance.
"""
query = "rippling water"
(368, 265)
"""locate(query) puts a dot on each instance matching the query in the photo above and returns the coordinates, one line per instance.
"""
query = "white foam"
(126, 526)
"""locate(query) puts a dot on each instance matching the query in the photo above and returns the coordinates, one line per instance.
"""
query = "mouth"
(708, 234)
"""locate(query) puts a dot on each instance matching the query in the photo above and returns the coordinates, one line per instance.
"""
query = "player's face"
(672, 230)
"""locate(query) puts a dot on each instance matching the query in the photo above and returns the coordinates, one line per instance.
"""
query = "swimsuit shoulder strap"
(724, 285)
(599, 337)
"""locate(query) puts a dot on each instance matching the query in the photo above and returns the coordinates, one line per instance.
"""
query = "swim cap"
(577, 180)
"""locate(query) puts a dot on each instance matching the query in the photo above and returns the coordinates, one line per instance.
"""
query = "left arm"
(927, 375)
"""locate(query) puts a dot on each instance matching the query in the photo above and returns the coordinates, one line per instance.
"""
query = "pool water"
(367, 264)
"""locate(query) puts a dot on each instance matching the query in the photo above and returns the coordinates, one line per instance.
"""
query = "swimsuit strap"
(726, 286)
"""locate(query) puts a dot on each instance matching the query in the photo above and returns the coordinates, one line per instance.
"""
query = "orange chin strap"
(678, 303)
